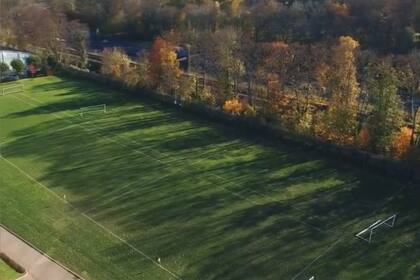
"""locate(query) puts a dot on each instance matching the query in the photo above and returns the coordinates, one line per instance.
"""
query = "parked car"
(10, 78)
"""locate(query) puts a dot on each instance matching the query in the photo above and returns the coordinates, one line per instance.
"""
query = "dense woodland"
(343, 71)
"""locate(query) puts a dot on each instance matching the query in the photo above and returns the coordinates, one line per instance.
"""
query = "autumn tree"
(343, 91)
(251, 55)
(187, 87)
(401, 142)
(227, 63)
(270, 74)
(385, 119)
(37, 25)
(232, 7)
(300, 77)
(115, 63)
(413, 86)
(233, 106)
(138, 75)
(164, 69)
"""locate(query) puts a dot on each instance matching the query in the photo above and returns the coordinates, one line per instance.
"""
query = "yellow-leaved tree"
(401, 142)
(115, 63)
(343, 90)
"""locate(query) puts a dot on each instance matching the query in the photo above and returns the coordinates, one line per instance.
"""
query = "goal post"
(93, 109)
(367, 233)
(12, 89)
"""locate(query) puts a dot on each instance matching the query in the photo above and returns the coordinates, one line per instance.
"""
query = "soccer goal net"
(94, 109)
(12, 89)
(367, 233)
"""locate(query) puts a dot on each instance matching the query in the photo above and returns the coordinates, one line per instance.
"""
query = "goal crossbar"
(101, 108)
(12, 89)
(367, 233)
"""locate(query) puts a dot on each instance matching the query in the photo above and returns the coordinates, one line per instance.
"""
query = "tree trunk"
(414, 112)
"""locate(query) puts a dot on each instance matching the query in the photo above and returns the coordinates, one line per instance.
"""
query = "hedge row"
(377, 163)
(14, 265)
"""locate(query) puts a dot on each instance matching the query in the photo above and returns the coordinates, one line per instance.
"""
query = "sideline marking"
(91, 219)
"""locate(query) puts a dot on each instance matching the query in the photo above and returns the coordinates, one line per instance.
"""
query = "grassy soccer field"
(108, 193)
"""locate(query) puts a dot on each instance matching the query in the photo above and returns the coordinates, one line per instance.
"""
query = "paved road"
(38, 265)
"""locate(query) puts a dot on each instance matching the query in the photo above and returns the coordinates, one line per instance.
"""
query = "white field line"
(258, 203)
(91, 219)
(254, 202)
(405, 244)
(318, 257)
(249, 200)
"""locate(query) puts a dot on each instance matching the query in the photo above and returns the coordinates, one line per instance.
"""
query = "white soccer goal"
(12, 89)
(94, 109)
(368, 232)
(312, 278)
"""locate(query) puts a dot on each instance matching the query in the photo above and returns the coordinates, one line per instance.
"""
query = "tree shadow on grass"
(203, 216)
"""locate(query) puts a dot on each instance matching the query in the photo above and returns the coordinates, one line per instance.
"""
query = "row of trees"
(334, 92)
(32, 64)
(383, 25)
(282, 61)
(17, 65)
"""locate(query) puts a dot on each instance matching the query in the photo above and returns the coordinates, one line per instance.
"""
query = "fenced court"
(154, 193)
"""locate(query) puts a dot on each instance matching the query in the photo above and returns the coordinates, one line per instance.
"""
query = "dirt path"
(38, 265)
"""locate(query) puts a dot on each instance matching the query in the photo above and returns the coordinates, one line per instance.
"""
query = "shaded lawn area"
(210, 201)
(6, 272)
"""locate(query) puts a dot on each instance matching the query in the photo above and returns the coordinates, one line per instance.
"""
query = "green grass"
(146, 181)
(6, 272)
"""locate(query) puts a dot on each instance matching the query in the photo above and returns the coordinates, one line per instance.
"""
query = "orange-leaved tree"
(164, 69)
(401, 142)
(233, 106)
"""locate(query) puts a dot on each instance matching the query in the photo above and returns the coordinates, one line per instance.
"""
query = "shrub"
(401, 142)
(249, 111)
(207, 97)
(115, 63)
(33, 60)
(233, 106)
(17, 65)
(51, 61)
(412, 157)
(363, 139)
(18, 268)
(186, 88)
